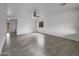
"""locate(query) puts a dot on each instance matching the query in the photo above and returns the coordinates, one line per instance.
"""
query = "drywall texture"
(64, 24)
(24, 16)
(2, 24)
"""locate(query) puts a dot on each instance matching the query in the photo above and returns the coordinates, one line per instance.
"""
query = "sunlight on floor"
(8, 38)
(40, 40)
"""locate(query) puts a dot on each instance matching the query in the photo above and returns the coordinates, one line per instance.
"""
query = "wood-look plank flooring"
(38, 44)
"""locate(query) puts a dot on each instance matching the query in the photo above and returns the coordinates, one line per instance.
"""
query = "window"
(41, 24)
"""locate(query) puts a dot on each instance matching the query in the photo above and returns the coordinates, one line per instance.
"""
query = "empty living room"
(39, 29)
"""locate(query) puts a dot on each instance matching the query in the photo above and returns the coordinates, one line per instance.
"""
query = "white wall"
(25, 23)
(2, 25)
(24, 16)
(63, 24)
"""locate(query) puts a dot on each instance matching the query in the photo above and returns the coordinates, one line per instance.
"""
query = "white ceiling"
(15, 9)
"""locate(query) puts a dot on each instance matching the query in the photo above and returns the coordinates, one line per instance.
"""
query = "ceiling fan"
(35, 13)
(62, 4)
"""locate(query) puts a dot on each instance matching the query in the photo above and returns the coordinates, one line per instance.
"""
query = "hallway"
(39, 44)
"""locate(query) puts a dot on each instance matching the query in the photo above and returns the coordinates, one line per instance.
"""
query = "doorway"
(12, 27)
